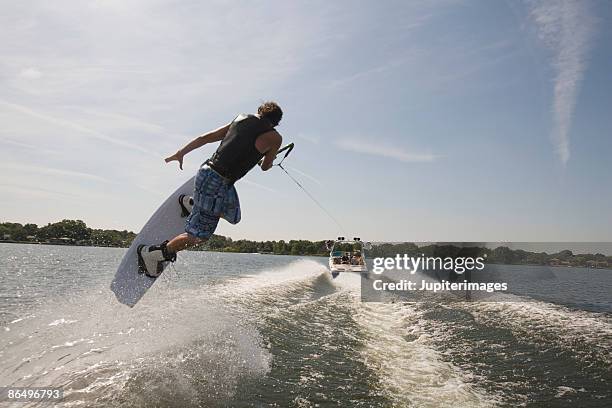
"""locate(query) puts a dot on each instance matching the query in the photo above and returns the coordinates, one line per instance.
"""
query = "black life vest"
(237, 154)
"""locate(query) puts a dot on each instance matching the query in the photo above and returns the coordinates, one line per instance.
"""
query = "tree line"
(69, 232)
(292, 247)
(76, 232)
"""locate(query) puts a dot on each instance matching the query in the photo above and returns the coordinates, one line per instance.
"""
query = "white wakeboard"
(130, 285)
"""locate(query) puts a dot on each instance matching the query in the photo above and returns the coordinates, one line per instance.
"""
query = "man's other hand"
(178, 156)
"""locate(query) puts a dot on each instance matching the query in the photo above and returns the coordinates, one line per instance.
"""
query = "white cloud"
(103, 119)
(308, 137)
(302, 173)
(566, 27)
(16, 143)
(378, 149)
(257, 185)
(30, 73)
(83, 130)
(32, 192)
(51, 171)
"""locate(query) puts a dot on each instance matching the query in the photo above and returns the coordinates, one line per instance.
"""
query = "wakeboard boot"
(151, 258)
(186, 203)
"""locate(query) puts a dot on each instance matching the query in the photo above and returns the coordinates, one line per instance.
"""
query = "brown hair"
(271, 111)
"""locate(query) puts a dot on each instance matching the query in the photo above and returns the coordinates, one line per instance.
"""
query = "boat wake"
(291, 336)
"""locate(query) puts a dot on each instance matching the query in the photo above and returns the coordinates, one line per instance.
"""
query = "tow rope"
(288, 150)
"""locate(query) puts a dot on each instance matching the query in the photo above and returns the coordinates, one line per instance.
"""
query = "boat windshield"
(350, 253)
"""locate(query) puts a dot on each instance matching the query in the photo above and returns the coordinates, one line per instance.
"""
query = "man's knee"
(193, 240)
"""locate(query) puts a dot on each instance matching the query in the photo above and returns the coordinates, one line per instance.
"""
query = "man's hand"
(178, 156)
(269, 143)
(214, 136)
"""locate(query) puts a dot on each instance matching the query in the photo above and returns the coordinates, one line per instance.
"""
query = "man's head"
(271, 111)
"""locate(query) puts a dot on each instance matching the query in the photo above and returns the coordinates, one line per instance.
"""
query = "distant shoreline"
(121, 247)
(219, 250)
(77, 233)
(4, 241)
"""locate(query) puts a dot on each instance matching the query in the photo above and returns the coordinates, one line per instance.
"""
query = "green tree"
(74, 229)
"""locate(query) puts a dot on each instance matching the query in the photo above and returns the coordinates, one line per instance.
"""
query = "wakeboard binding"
(151, 258)
(186, 203)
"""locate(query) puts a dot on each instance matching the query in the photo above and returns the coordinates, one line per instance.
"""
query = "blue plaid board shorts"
(214, 197)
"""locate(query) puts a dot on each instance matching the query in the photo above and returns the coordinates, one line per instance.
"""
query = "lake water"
(261, 330)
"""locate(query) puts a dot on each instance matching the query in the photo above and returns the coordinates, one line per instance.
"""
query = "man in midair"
(244, 143)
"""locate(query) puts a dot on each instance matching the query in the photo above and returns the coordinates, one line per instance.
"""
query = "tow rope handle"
(287, 149)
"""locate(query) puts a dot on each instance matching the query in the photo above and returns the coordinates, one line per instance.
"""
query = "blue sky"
(423, 120)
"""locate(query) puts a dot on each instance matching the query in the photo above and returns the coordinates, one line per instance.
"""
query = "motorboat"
(347, 255)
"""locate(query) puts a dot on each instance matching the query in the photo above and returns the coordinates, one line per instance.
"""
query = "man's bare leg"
(183, 241)
(151, 258)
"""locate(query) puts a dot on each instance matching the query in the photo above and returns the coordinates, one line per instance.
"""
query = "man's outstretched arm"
(210, 137)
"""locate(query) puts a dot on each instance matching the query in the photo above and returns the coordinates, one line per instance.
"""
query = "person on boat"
(357, 259)
(244, 143)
